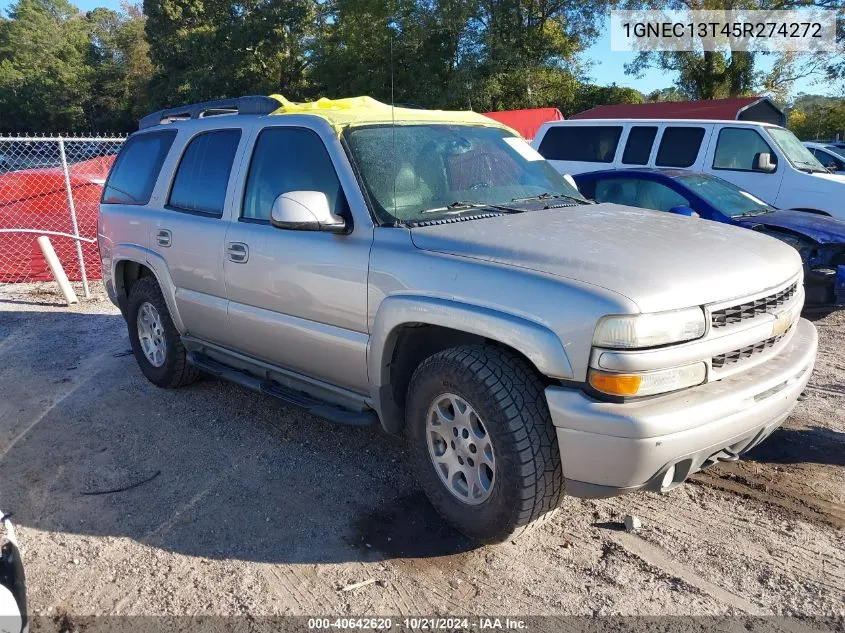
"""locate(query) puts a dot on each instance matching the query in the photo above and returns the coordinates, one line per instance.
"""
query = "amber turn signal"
(615, 384)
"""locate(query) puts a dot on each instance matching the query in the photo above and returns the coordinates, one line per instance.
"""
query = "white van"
(764, 159)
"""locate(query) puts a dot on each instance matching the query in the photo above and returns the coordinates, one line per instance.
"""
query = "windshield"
(414, 173)
(724, 196)
(796, 153)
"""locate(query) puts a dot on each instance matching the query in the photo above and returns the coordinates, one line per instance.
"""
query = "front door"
(734, 157)
(298, 299)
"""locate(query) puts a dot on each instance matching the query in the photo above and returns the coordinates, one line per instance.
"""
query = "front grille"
(744, 352)
(750, 309)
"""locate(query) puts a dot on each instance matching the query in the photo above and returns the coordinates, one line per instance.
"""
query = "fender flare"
(156, 263)
(541, 346)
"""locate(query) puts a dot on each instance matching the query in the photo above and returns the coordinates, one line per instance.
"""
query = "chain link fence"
(52, 186)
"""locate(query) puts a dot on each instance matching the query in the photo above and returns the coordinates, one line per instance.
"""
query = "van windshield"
(800, 157)
(416, 173)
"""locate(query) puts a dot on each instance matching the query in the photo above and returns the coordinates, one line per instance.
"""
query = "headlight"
(648, 383)
(649, 330)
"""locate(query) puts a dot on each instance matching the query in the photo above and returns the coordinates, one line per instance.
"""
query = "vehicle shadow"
(88, 446)
(815, 445)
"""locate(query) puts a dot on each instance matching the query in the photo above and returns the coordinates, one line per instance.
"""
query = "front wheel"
(482, 442)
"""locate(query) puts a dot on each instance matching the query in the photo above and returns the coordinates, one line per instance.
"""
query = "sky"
(607, 68)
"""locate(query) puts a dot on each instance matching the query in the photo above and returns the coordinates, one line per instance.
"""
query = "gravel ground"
(249, 507)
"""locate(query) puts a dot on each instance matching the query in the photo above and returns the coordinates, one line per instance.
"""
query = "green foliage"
(817, 117)
(62, 70)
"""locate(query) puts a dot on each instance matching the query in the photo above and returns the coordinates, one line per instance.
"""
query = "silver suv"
(431, 273)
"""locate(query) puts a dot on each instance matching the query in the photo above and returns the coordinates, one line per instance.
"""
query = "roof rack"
(238, 105)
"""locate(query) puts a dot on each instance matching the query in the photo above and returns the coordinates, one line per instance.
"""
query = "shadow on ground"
(209, 470)
(814, 445)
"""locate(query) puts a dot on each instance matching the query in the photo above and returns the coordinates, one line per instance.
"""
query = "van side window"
(679, 146)
(638, 146)
(289, 159)
(203, 173)
(587, 143)
(737, 147)
(135, 171)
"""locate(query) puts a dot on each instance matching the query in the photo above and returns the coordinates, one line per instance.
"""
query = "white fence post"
(69, 190)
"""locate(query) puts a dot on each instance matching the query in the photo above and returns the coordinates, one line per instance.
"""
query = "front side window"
(424, 172)
(646, 194)
(587, 143)
(738, 148)
(794, 150)
(285, 160)
(679, 146)
(203, 174)
(638, 146)
(136, 169)
(829, 160)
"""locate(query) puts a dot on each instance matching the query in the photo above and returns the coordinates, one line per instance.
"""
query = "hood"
(659, 261)
(819, 228)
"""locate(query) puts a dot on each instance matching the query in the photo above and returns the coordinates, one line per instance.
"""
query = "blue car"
(820, 239)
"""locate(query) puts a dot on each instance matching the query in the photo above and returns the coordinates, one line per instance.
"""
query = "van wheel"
(155, 341)
(481, 441)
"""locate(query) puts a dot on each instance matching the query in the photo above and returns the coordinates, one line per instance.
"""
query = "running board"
(320, 408)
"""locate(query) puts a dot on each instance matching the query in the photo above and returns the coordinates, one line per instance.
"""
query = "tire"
(174, 370)
(526, 481)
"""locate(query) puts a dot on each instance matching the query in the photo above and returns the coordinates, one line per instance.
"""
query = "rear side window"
(203, 173)
(587, 143)
(135, 171)
(679, 146)
(638, 146)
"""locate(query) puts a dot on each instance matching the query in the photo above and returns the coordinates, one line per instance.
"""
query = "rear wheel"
(155, 341)
(482, 442)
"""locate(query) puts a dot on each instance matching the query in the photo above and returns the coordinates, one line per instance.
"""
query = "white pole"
(57, 270)
(73, 218)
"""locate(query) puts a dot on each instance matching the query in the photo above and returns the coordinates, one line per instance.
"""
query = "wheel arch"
(132, 263)
(409, 329)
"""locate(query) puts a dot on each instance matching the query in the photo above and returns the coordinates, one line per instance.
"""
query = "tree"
(119, 57)
(817, 117)
(207, 49)
(44, 79)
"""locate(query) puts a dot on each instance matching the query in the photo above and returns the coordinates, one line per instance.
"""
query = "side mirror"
(683, 209)
(305, 211)
(763, 162)
(833, 167)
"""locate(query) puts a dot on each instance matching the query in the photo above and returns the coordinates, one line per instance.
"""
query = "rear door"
(682, 146)
(188, 230)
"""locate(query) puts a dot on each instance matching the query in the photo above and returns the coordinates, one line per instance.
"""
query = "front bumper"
(609, 448)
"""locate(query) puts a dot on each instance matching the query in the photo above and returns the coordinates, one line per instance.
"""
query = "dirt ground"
(252, 508)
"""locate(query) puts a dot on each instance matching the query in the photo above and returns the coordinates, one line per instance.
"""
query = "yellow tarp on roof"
(342, 113)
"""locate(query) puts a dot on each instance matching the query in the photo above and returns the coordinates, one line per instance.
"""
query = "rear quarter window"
(679, 146)
(136, 168)
(586, 143)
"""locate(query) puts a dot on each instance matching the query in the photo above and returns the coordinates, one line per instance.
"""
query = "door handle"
(164, 237)
(238, 252)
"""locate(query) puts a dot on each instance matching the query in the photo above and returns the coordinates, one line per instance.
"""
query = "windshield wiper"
(551, 196)
(461, 205)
